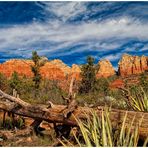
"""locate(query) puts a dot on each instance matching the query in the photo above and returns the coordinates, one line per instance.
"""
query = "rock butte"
(105, 69)
(129, 65)
(57, 70)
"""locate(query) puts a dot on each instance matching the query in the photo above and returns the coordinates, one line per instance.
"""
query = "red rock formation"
(22, 67)
(55, 69)
(129, 65)
(105, 69)
(117, 83)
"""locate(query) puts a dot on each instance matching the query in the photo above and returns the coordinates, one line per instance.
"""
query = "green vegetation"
(15, 81)
(98, 131)
(36, 69)
(144, 81)
(88, 74)
(137, 98)
(3, 82)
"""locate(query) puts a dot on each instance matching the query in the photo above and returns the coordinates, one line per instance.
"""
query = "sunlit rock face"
(22, 67)
(55, 69)
(129, 65)
(105, 69)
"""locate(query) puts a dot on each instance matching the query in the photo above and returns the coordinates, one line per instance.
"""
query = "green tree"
(38, 63)
(88, 74)
(15, 81)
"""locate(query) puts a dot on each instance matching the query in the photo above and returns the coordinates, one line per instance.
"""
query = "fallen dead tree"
(66, 114)
(55, 114)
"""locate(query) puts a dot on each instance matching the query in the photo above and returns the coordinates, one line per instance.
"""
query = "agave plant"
(137, 98)
(98, 131)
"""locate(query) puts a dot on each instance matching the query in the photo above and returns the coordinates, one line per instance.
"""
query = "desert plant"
(136, 98)
(98, 131)
(88, 75)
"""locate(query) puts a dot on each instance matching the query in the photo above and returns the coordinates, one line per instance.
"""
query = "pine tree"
(38, 63)
(88, 75)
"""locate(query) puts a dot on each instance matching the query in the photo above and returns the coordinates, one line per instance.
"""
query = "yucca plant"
(98, 131)
(136, 98)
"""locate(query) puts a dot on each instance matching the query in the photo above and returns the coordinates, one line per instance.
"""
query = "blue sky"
(71, 31)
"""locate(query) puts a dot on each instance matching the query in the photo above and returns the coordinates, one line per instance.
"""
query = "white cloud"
(94, 34)
(113, 57)
(145, 48)
(65, 10)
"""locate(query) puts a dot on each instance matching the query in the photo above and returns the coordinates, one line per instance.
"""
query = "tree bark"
(55, 114)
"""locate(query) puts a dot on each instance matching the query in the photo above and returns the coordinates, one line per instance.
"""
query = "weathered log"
(55, 114)
(14, 99)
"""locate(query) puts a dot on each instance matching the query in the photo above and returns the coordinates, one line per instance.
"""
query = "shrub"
(15, 81)
(3, 82)
(144, 81)
(103, 86)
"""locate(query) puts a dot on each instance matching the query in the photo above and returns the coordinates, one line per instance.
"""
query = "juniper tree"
(38, 63)
(88, 75)
(15, 81)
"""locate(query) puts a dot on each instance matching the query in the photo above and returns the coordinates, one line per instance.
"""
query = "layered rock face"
(55, 69)
(129, 65)
(22, 67)
(105, 69)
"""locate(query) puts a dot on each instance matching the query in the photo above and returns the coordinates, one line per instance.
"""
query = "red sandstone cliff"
(129, 65)
(105, 69)
(57, 70)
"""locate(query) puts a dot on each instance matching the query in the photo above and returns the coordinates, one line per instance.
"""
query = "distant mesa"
(58, 70)
(129, 65)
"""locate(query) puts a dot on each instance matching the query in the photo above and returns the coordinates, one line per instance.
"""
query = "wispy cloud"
(64, 10)
(26, 35)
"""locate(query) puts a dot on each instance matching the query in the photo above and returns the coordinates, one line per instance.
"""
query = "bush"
(144, 81)
(3, 82)
(103, 86)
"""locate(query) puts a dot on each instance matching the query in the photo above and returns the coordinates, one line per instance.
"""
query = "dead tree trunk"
(60, 113)
(55, 115)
